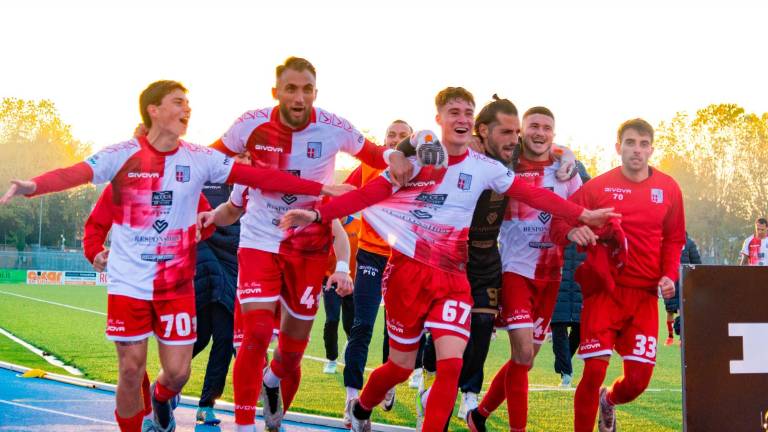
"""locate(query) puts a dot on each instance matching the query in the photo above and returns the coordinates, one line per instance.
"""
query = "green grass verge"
(77, 337)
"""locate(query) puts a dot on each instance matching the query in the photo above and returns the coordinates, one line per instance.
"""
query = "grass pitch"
(77, 338)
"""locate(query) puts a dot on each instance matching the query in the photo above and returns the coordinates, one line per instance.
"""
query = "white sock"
(245, 428)
(352, 393)
(424, 398)
(270, 379)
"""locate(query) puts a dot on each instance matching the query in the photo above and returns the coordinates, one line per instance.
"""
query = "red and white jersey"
(526, 247)
(428, 219)
(756, 251)
(154, 208)
(309, 153)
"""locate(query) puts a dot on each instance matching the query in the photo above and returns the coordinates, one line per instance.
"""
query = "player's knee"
(289, 354)
(523, 354)
(257, 330)
(594, 373)
(177, 376)
(131, 375)
(637, 377)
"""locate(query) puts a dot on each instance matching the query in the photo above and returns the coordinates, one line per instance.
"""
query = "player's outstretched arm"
(567, 162)
(278, 181)
(347, 204)
(52, 181)
(341, 250)
(401, 170)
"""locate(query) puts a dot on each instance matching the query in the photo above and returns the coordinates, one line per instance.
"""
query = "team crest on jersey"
(314, 149)
(182, 173)
(160, 225)
(465, 181)
(544, 217)
(657, 196)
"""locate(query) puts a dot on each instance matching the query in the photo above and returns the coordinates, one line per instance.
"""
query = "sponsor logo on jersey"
(157, 257)
(249, 291)
(289, 199)
(182, 173)
(227, 161)
(465, 181)
(534, 229)
(434, 199)
(93, 159)
(314, 149)
(160, 225)
(275, 222)
(529, 174)
(115, 329)
(148, 240)
(617, 190)
(510, 173)
(143, 175)
(591, 346)
(367, 270)
(657, 196)
(416, 184)
(162, 198)
(421, 214)
(544, 217)
(360, 139)
(267, 148)
(540, 245)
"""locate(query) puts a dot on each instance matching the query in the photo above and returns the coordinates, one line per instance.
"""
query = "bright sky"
(593, 63)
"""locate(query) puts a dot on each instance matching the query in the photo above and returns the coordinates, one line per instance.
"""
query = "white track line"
(110, 400)
(54, 303)
(95, 420)
(45, 356)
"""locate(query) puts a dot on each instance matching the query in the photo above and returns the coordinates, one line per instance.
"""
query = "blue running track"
(36, 405)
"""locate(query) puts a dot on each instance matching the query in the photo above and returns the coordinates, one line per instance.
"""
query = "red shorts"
(267, 277)
(173, 322)
(527, 303)
(239, 333)
(627, 320)
(417, 296)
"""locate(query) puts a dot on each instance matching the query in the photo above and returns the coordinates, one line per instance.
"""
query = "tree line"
(718, 156)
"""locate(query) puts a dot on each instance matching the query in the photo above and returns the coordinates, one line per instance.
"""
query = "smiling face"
(538, 135)
(396, 132)
(295, 92)
(456, 119)
(172, 114)
(501, 136)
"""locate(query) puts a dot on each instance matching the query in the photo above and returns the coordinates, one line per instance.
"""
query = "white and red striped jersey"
(154, 207)
(239, 196)
(428, 219)
(308, 153)
(526, 247)
(756, 250)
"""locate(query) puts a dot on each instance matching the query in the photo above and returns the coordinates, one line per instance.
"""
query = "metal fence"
(45, 260)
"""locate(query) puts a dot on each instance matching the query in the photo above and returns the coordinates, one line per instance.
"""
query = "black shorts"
(485, 291)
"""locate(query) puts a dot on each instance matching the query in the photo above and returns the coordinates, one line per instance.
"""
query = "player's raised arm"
(380, 157)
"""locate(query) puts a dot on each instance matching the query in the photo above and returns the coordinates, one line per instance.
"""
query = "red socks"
(249, 362)
(627, 388)
(381, 380)
(442, 396)
(496, 392)
(517, 395)
(162, 393)
(289, 386)
(145, 396)
(130, 424)
(586, 400)
(669, 329)
(286, 362)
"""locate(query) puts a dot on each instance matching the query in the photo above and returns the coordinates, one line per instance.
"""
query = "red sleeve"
(545, 200)
(372, 155)
(355, 177)
(98, 225)
(272, 180)
(560, 227)
(202, 206)
(62, 179)
(351, 202)
(674, 238)
(220, 146)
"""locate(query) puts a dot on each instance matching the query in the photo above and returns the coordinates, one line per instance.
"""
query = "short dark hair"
(637, 124)
(762, 221)
(398, 121)
(488, 114)
(154, 94)
(296, 63)
(449, 93)
(539, 110)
